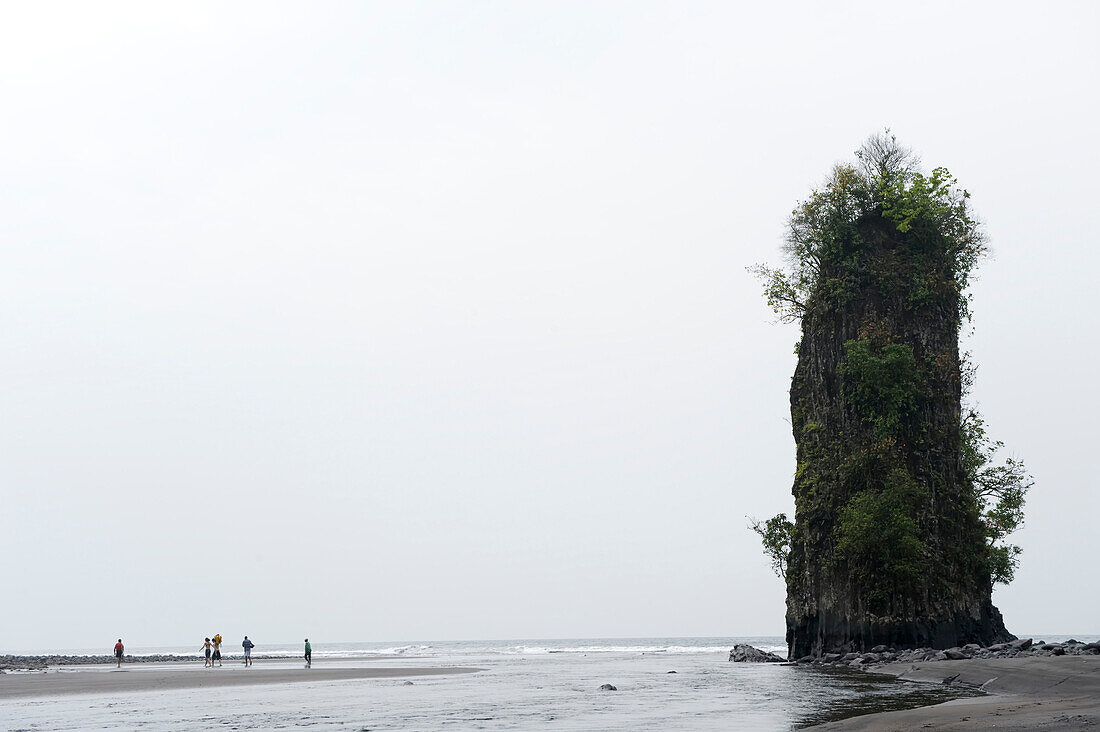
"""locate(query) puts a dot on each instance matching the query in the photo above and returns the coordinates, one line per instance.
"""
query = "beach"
(1034, 693)
(106, 679)
(661, 684)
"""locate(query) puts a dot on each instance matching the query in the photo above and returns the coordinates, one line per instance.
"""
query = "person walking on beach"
(207, 646)
(247, 645)
(309, 655)
(119, 650)
(217, 640)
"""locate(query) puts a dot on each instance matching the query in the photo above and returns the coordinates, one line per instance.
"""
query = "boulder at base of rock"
(608, 687)
(1020, 645)
(744, 653)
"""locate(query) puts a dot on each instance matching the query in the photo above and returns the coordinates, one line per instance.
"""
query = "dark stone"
(879, 649)
(608, 687)
(955, 654)
(744, 653)
(1058, 651)
(832, 657)
(1021, 644)
(671, 672)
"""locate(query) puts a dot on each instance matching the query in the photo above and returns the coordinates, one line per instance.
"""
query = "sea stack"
(888, 547)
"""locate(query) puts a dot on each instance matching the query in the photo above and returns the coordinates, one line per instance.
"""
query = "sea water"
(524, 685)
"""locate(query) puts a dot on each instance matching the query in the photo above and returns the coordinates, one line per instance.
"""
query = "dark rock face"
(841, 599)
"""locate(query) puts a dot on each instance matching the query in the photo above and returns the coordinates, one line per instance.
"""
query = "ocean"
(525, 685)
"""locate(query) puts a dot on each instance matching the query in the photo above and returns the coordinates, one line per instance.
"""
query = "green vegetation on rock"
(901, 510)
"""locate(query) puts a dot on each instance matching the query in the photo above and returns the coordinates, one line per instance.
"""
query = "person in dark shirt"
(119, 650)
(309, 655)
(247, 645)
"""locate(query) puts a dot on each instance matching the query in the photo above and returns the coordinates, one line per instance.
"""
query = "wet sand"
(1034, 693)
(157, 677)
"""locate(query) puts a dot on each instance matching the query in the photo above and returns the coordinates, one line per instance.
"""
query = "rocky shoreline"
(1023, 693)
(39, 663)
(882, 655)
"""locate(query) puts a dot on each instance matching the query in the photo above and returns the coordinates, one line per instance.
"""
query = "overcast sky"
(431, 320)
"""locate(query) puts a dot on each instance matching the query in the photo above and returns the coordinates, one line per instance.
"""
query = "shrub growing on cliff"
(881, 383)
(775, 535)
(999, 490)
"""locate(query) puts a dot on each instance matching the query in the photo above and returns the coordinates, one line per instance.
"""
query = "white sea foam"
(670, 649)
(507, 648)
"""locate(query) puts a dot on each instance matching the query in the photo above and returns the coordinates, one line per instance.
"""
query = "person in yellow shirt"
(217, 639)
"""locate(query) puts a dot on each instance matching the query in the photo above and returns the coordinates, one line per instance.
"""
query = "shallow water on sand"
(543, 685)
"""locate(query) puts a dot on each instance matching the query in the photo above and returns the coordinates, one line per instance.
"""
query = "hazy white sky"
(431, 320)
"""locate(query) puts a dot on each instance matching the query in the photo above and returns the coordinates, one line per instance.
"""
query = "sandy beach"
(1035, 693)
(165, 677)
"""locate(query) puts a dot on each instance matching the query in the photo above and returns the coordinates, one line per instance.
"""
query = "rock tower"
(888, 545)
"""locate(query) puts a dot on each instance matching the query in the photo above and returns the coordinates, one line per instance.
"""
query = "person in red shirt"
(119, 650)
